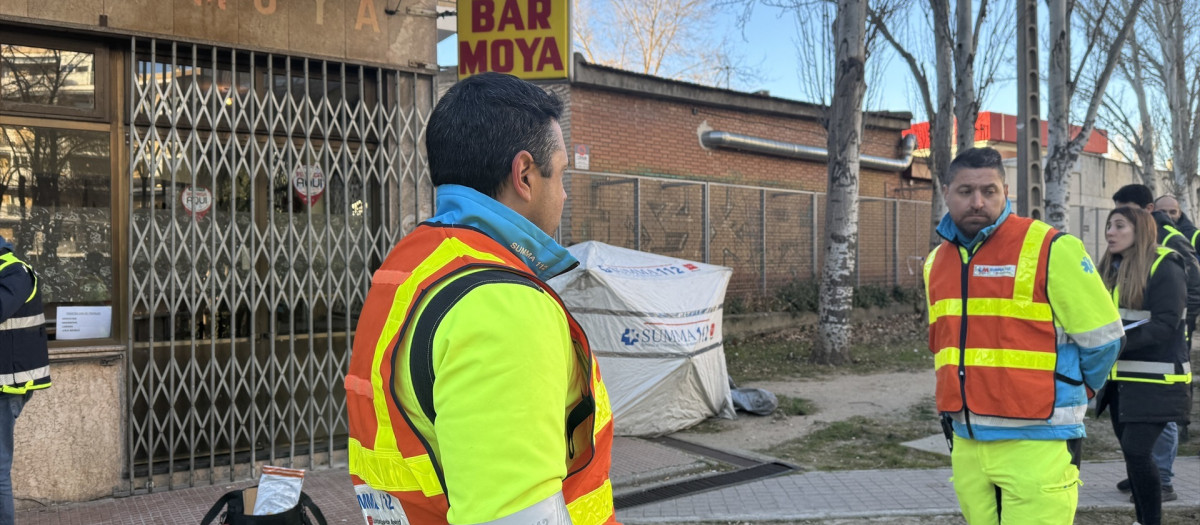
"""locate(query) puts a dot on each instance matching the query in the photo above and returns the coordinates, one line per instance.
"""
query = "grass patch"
(795, 406)
(862, 443)
(888, 344)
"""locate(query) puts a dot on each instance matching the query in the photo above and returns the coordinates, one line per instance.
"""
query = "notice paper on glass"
(1136, 324)
(83, 322)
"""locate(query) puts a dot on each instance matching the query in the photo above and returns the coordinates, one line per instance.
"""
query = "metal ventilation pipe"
(727, 140)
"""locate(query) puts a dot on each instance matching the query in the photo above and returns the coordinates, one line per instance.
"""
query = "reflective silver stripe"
(1151, 367)
(1099, 336)
(1134, 315)
(17, 323)
(1061, 416)
(550, 511)
(21, 378)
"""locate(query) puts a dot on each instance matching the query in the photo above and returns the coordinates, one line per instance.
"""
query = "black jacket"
(1159, 340)
(24, 360)
(1191, 264)
(1186, 226)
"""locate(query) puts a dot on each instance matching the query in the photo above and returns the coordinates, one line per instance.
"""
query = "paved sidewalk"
(813, 495)
(863, 493)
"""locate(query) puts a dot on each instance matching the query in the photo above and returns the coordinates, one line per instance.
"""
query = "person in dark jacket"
(1171, 237)
(1149, 385)
(24, 360)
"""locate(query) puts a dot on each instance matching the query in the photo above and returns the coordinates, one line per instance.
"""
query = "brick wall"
(760, 208)
(634, 134)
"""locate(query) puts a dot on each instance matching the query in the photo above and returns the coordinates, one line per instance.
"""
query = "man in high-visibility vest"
(1023, 332)
(1170, 205)
(25, 361)
(472, 394)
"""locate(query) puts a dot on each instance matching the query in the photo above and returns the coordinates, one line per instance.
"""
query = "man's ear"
(1150, 207)
(522, 169)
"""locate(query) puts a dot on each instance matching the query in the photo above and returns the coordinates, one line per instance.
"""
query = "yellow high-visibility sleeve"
(502, 360)
(1083, 308)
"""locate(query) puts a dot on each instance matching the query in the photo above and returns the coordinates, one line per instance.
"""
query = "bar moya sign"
(526, 38)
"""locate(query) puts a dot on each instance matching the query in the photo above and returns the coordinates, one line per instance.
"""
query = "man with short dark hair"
(472, 394)
(1022, 335)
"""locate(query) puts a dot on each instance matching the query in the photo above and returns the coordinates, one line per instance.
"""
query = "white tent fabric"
(654, 323)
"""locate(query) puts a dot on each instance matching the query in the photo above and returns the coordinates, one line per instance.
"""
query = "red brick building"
(654, 160)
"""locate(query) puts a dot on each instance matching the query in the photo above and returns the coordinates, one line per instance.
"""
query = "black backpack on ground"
(235, 513)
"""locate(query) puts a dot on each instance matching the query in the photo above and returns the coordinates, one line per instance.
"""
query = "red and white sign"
(309, 183)
(197, 201)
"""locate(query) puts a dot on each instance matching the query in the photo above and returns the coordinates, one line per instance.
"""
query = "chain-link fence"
(769, 236)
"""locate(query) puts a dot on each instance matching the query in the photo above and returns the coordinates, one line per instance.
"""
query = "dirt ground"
(836, 398)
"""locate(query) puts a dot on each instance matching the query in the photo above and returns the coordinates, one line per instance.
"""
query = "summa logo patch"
(661, 334)
(1009, 270)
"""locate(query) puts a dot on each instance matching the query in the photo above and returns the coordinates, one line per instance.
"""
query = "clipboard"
(1136, 324)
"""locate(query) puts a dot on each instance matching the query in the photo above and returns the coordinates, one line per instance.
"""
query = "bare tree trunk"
(966, 108)
(1172, 30)
(1058, 162)
(1062, 149)
(941, 122)
(841, 216)
(1144, 146)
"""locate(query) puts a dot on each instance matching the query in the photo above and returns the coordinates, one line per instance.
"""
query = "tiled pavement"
(861, 493)
(812, 495)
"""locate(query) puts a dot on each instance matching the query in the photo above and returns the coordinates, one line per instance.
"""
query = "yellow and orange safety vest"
(386, 451)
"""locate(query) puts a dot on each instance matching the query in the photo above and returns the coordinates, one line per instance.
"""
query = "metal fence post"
(896, 243)
(815, 257)
(857, 262)
(707, 227)
(637, 214)
(762, 255)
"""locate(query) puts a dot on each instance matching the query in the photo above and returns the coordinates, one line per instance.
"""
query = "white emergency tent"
(654, 323)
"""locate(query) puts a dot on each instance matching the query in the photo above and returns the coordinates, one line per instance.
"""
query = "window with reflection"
(55, 207)
(48, 79)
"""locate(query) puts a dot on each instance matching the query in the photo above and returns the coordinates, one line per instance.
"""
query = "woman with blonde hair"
(1148, 386)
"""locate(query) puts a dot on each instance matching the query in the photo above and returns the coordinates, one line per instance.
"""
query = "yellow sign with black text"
(526, 38)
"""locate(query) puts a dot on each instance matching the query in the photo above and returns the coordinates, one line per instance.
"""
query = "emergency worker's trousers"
(1015, 482)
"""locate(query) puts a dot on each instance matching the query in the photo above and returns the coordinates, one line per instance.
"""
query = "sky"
(769, 39)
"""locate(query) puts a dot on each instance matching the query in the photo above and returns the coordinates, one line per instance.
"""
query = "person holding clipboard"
(1149, 384)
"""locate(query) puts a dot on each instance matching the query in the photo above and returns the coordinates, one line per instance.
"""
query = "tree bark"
(1168, 16)
(1062, 149)
(941, 122)
(1058, 102)
(966, 108)
(841, 200)
(1144, 145)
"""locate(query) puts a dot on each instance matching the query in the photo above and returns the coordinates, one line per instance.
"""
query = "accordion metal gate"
(264, 189)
